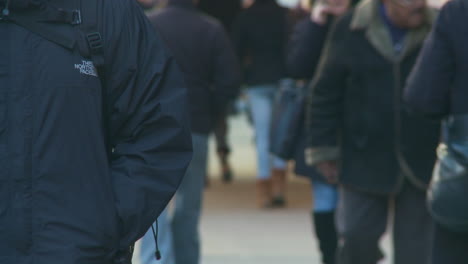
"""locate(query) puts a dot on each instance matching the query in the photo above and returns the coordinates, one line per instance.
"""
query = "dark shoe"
(278, 178)
(278, 202)
(226, 172)
(227, 176)
(264, 194)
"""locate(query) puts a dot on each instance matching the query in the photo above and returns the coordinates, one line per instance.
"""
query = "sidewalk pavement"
(234, 231)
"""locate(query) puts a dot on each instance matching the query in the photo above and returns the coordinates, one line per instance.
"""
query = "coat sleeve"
(149, 126)
(325, 100)
(239, 37)
(226, 72)
(305, 48)
(427, 89)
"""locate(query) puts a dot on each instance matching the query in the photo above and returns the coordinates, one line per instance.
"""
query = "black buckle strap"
(96, 46)
(95, 42)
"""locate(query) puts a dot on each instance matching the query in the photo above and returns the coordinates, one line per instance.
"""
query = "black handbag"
(288, 113)
(448, 192)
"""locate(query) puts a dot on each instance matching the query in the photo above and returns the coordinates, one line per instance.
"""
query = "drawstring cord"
(157, 254)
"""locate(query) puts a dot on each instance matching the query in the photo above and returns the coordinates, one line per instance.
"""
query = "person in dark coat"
(260, 35)
(205, 54)
(305, 47)
(438, 88)
(360, 135)
(65, 198)
(225, 11)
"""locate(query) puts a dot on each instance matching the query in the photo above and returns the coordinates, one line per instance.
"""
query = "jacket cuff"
(313, 156)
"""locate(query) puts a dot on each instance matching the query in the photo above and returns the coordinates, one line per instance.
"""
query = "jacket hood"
(22, 4)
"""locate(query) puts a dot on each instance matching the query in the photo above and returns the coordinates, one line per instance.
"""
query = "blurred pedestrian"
(225, 11)
(438, 88)
(211, 71)
(94, 133)
(361, 137)
(260, 34)
(305, 48)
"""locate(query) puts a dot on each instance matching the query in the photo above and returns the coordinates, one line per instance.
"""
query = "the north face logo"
(87, 68)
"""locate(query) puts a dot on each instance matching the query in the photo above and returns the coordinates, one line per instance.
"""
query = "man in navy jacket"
(65, 198)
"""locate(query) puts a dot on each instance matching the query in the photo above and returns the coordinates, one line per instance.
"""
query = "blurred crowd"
(358, 95)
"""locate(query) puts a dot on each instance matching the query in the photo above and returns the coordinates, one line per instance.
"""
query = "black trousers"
(362, 219)
(449, 247)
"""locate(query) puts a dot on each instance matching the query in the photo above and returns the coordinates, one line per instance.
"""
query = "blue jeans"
(325, 197)
(178, 235)
(261, 100)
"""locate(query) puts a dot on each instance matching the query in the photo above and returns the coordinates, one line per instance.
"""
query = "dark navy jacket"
(355, 111)
(438, 85)
(304, 50)
(260, 36)
(205, 55)
(62, 199)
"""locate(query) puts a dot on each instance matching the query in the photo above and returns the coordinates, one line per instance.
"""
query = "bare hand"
(329, 170)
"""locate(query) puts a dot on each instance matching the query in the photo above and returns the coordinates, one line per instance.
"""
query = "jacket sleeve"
(325, 100)
(149, 126)
(427, 89)
(305, 48)
(226, 75)
(239, 37)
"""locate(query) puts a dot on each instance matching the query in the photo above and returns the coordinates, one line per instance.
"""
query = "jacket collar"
(22, 4)
(367, 18)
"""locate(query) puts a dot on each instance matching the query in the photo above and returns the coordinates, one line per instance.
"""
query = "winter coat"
(205, 54)
(438, 85)
(304, 50)
(64, 197)
(355, 110)
(260, 36)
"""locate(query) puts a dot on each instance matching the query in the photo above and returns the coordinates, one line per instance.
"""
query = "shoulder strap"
(72, 25)
(95, 45)
(50, 23)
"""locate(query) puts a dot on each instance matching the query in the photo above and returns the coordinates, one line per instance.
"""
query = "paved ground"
(234, 231)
